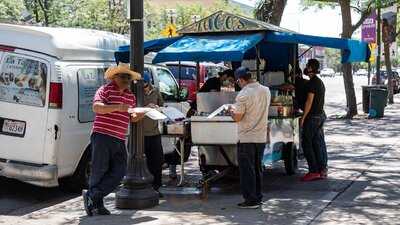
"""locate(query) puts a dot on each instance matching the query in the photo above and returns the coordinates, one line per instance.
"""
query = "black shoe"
(88, 203)
(102, 211)
(249, 205)
(160, 195)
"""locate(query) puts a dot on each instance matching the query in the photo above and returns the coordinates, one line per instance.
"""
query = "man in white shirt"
(251, 113)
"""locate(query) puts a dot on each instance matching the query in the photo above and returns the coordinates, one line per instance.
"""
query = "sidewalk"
(363, 188)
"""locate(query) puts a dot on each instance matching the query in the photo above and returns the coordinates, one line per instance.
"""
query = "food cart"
(271, 53)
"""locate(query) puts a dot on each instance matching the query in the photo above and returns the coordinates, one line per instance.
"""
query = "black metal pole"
(369, 72)
(378, 57)
(137, 191)
(197, 76)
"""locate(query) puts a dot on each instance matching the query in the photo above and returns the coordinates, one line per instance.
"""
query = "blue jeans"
(250, 167)
(109, 161)
(313, 142)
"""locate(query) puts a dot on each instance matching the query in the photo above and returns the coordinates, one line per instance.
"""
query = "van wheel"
(80, 179)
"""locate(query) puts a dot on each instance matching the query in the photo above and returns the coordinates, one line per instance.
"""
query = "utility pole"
(137, 191)
(378, 37)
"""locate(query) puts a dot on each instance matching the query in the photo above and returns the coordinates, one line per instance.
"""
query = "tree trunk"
(271, 11)
(347, 68)
(386, 47)
(279, 7)
(35, 11)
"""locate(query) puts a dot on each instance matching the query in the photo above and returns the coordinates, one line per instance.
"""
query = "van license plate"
(13, 127)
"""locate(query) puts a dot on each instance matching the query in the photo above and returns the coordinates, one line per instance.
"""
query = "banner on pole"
(368, 29)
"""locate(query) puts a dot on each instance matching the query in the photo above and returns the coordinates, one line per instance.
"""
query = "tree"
(388, 64)
(348, 28)
(10, 10)
(333, 59)
(270, 11)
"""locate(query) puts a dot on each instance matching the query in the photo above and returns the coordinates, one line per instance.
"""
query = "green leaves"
(109, 15)
(10, 10)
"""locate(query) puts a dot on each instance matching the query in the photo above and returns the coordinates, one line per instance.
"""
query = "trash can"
(365, 97)
(366, 92)
(378, 100)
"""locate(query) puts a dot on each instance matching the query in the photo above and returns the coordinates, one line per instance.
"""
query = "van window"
(89, 80)
(168, 86)
(187, 72)
(212, 71)
(23, 80)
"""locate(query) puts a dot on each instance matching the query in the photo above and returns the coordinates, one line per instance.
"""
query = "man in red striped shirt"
(109, 156)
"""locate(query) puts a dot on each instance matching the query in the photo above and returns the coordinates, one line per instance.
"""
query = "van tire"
(80, 179)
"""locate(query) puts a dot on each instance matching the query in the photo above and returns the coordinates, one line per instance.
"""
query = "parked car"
(187, 77)
(384, 80)
(361, 72)
(327, 72)
(48, 77)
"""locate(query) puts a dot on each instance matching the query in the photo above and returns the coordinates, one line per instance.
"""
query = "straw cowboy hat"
(121, 69)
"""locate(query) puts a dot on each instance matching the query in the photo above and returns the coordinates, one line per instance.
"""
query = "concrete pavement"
(363, 188)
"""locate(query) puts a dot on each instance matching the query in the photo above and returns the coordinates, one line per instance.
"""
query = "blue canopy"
(353, 50)
(209, 48)
(122, 54)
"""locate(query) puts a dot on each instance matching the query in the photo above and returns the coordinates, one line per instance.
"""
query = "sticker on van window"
(23, 80)
(89, 80)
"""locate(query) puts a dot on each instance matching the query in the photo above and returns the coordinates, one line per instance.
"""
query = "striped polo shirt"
(114, 124)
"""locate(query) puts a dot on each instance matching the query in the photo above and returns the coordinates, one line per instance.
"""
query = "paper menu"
(173, 113)
(149, 112)
(217, 111)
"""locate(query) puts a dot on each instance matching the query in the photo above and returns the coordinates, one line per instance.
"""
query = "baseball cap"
(241, 72)
(146, 77)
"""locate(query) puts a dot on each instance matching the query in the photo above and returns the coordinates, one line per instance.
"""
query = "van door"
(81, 83)
(23, 106)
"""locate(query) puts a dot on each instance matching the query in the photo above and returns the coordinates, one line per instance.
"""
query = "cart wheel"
(290, 158)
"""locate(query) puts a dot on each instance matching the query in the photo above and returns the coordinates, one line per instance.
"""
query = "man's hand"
(302, 122)
(153, 106)
(237, 117)
(136, 117)
(122, 108)
(231, 109)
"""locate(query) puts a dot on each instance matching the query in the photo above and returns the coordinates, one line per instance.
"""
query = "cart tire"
(290, 158)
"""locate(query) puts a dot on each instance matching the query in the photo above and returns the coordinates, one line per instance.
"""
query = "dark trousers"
(250, 167)
(154, 157)
(313, 142)
(108, 165)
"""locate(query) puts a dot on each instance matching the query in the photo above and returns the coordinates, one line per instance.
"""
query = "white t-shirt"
(253, 102)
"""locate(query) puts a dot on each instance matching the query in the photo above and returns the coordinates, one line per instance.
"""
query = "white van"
(48, 77)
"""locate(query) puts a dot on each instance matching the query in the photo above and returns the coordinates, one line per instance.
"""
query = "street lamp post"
(378, 34)
(137, 191)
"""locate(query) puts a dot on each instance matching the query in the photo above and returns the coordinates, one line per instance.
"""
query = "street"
(17, 198)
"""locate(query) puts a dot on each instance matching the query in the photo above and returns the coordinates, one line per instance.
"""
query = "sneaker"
(324, 173)
(88, 203)
(311, 177)
(102, 211)
(249, 205)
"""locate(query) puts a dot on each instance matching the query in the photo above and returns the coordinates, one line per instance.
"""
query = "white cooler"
(220, 130)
